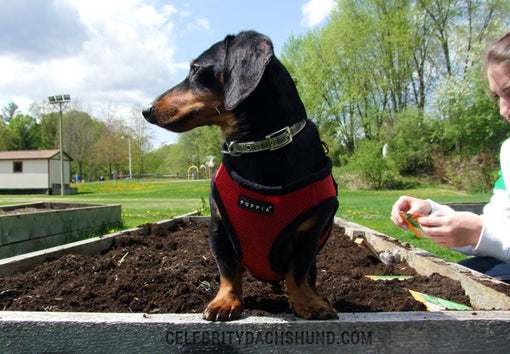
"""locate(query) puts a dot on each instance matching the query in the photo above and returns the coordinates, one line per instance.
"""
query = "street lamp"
(129, 153)
(60, 100)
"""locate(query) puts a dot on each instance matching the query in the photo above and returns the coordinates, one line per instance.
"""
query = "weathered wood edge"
(361, 332)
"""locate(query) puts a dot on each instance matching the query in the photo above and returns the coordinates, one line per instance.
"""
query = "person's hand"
(453, 229)
(408, 205)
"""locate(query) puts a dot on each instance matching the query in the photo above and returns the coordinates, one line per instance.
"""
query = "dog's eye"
(193, 70)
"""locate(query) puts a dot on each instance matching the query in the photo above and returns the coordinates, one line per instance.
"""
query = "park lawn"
(151, 201)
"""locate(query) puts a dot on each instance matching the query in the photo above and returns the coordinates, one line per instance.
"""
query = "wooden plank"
(58, 221)
(359, 332)
(28, 246)
(50, 228)
(24, 262)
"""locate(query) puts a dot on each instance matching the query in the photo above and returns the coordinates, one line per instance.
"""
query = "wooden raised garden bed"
(152, 328)
(30, 227)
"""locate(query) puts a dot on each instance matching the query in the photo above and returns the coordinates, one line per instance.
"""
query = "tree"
(110, 151)
(9, 112)
(141, 137)
(80, 135)
(409, 142)
(380, 65)
(4, 136)
(48, 131)
(353, 74)
(22, 133)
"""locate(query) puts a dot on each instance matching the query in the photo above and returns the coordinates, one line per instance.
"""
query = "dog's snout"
(147, 112)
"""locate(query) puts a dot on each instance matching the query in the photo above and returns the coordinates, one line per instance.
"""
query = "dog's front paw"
(223, 310)
(313, 309)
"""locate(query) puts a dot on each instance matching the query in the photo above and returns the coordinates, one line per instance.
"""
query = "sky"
(110, 55)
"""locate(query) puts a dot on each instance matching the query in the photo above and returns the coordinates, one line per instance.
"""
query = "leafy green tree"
(48, 130)
(353, 74)
(401, 72)
(168, 160)
(9, 112)
(23, 133)
(4, 136)
(473, 123)
(80, 135)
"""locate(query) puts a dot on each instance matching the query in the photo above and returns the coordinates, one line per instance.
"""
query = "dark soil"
(160, 271)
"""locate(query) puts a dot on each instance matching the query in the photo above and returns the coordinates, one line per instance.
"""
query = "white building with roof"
(33, 171)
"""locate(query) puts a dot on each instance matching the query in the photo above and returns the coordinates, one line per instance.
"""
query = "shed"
(33, 171)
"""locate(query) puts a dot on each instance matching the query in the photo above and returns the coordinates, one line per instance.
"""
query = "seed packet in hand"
(412, 221)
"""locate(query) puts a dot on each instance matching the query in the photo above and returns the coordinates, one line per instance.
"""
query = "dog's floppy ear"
(246, 58)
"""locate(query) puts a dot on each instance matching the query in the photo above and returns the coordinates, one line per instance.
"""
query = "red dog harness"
(254, 220)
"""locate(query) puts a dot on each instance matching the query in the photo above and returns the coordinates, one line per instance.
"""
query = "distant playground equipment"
(194, 171)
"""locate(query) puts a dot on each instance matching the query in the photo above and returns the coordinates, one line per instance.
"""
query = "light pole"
(60, 100)
(129, 153)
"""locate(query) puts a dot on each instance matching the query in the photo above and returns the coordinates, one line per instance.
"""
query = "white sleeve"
(435, 207)
(495, 236)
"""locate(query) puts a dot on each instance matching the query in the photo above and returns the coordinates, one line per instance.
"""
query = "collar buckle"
(279, 139)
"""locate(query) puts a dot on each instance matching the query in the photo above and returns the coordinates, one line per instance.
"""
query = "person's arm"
(494, 240)
(444, 226)
(495, 237)
(457, 230)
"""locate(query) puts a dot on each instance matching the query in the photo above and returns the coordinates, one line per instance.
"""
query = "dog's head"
(218, 81)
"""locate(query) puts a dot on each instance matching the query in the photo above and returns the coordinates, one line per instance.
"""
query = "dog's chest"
(256, 217)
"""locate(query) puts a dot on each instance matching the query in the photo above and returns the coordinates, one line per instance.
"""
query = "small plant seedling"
(123, 258)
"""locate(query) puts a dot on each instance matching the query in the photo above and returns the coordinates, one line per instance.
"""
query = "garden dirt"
(155, 270)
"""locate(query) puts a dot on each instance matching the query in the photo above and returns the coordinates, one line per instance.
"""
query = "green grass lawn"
(150, 201)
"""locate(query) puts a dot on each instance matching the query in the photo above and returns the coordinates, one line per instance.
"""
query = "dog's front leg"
(301, 275)
(228, 303)
(305, 302)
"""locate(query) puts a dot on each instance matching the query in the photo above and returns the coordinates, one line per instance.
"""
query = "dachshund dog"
(273, 198)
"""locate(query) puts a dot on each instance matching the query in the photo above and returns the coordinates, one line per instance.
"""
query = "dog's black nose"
(147, 112)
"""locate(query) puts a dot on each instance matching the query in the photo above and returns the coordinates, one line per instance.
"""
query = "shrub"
(409, 143)
(375, 170)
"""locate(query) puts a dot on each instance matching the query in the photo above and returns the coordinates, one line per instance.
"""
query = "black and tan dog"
(273, 198)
